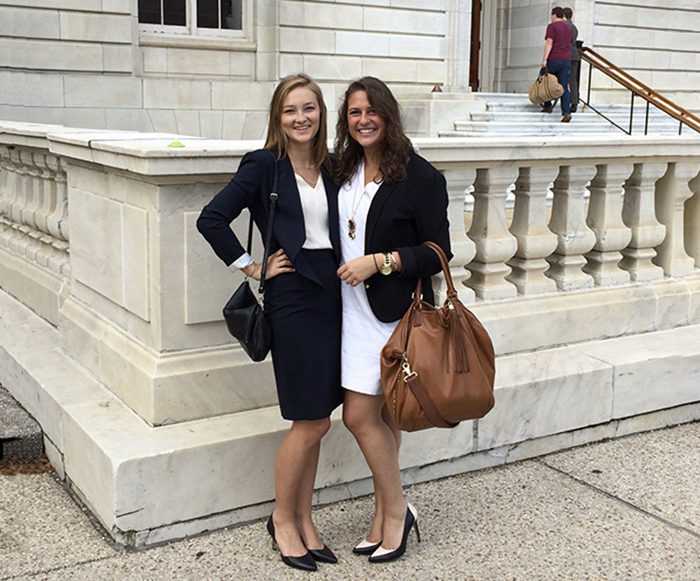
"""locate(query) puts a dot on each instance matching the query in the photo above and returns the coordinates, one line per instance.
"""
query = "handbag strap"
(268, 234)
(426, 403)
(413, 380)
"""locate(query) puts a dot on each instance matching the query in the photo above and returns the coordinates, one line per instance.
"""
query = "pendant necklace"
(352, 225)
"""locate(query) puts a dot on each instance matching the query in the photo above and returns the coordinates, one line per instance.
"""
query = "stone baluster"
(35, 193)
(463, 249)
(48, 197)
(671, 193)
(21, 159)
(605, 219)
(535, 240)
(6, 175)
(10, 171)
(13, 190)
(568, 222)
(48, 251)
(692, 221)
(57, 221)
(638, 212)
(494, 243)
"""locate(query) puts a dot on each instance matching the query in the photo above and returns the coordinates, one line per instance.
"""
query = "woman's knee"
(313, 431)
(359, 413)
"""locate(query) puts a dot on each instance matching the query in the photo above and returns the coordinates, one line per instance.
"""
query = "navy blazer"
(250, 188)
(401, 217)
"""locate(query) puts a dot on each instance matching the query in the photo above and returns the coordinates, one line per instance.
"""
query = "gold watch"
(386, 267)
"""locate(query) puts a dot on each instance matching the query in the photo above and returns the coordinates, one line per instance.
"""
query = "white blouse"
(363, 335)
(314, 205)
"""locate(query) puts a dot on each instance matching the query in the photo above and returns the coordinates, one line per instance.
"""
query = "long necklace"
(352, 225)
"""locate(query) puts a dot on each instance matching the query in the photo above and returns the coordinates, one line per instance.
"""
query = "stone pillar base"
(170, 387)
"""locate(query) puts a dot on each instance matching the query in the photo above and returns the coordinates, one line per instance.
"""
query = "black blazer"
(401, 217)
(250, 188)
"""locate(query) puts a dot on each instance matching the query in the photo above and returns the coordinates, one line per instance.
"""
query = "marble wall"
(89, 64)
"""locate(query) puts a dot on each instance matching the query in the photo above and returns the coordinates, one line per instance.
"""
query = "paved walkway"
(624, 510)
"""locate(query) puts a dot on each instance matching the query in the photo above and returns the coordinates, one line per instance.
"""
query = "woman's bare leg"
(362, 415)
(294, 467)
(304, 503)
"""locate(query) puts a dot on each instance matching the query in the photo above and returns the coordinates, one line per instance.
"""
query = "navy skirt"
(305, 319)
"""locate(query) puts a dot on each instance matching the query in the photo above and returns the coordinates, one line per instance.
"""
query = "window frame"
(191, 30)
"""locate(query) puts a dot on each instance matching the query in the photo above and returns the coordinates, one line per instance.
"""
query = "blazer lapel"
(289, 218)
(375, 209)
(333, 219)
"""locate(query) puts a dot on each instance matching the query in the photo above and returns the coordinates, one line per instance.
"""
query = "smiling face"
(365, 125)
(300, 118)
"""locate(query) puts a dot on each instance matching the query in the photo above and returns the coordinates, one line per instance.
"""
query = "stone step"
(587, 116)
(20, 434)
(555, 127)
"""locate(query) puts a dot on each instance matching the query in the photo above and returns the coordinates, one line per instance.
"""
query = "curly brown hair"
(394, 147)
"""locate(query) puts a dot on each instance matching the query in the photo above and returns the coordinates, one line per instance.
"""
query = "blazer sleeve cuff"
(409, 262)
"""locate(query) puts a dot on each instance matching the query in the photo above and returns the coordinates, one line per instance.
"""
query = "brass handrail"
(638, 89)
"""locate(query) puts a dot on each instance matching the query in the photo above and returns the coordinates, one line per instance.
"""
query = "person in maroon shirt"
(557, 59)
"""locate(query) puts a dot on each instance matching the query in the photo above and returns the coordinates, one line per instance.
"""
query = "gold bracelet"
(394, 264)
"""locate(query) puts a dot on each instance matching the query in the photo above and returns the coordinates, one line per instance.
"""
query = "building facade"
(207, 67)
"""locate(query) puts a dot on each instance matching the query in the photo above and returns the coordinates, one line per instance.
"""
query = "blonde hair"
(277, 141)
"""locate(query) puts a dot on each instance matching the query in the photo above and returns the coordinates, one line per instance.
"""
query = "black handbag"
(244, 312)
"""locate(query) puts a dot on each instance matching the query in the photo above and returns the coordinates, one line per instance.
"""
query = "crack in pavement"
(627, 503)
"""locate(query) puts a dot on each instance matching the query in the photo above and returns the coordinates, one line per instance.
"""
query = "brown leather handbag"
(438, 366)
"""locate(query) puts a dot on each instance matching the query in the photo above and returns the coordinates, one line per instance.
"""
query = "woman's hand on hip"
(277, 263)
(357, 270)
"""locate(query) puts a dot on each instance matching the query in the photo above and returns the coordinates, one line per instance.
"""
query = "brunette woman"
(302, 297)
(390, 201)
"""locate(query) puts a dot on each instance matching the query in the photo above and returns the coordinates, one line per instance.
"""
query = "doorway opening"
(475, 46)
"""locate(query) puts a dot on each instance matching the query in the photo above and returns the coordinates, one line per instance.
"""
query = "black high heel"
(324, 555)
(385, 555)
(305, 562)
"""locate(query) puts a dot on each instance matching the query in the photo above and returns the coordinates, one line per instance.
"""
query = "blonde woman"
(302, 297)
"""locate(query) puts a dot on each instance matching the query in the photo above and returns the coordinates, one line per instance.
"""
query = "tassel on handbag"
(438, 367)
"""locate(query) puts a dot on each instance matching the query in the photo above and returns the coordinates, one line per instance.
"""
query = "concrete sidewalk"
(625, 509)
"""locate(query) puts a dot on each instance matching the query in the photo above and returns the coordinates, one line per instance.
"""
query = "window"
(223, 18)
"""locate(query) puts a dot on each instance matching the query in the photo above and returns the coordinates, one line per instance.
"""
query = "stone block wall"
(656, 42)
(400, 42)
(85, 63)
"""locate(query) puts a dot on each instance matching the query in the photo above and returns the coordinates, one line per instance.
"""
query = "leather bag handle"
(451, 292)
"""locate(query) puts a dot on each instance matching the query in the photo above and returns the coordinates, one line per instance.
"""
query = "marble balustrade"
(34, 207)
(580, 256)
(595, 212)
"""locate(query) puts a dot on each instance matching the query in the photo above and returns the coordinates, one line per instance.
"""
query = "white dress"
(363, 335)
